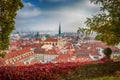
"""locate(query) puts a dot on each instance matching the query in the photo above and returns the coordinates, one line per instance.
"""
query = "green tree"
(81, 31)
(107, 23)
(47, 35)
(107, 52)
(84, 31)
(8, 11)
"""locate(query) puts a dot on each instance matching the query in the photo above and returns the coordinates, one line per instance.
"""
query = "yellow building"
(48, 43)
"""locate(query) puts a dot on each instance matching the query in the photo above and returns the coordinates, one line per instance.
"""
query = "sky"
(46, 15)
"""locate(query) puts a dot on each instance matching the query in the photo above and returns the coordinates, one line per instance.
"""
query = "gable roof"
(16, 53)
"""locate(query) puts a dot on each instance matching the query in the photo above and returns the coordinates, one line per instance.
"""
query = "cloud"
(53, 0)
(56, 0)
(71, 17)
(91, 5)
(28, 11)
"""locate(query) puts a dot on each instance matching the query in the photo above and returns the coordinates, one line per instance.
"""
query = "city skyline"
(46, 15)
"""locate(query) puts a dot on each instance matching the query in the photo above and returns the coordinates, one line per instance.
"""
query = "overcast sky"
(45, 15)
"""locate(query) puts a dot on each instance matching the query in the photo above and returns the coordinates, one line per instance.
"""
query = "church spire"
(60, 41)
(59, 33)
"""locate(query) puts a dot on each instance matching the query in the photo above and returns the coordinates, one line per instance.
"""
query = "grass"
(106, 78)
(115, 76)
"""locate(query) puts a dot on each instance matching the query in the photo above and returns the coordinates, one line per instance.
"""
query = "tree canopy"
(84, 31)
(8, 11)
(106, 23)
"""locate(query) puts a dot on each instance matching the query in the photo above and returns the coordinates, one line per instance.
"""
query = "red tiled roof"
(62, 58)
(19, 64)
(1, 62)
(15, 53)
(52, 51)
(83, 48)
(83, 59)
(39, 51)
(50, 40)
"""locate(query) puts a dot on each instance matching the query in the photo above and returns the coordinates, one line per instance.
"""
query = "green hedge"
(105, 78)
(95, 70)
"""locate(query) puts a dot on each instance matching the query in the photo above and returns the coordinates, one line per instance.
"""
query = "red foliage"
(44, 71)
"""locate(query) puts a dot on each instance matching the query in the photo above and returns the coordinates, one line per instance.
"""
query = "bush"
(107, 52)
(59, 71)
(2, 54)
(98, 70)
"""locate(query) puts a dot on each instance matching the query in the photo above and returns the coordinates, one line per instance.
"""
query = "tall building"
(60, 40)
(59, 32)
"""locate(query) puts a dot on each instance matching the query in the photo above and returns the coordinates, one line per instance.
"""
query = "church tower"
(59, 32)
(60, 40)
